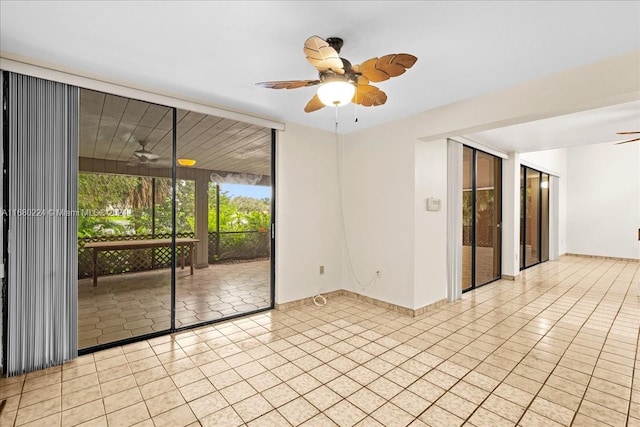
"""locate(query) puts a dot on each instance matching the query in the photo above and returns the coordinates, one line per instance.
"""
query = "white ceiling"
(587, 127)
(216, 51)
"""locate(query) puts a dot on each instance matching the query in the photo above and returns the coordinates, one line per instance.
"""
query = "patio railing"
(484, 235)
(223, 247)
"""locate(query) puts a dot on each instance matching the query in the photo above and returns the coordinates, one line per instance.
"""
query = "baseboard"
(366, 299)
(422, 310)
(378, 303)
(304, 301)
(611, 258)
(508, 277)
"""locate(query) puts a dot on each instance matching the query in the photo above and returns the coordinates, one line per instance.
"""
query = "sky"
(255, 191)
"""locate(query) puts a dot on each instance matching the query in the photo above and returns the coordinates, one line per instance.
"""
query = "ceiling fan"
(628, 140)
(144, 157)
(340, 82)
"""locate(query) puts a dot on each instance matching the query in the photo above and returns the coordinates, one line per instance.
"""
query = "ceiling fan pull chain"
(355, 105)
(355, 109)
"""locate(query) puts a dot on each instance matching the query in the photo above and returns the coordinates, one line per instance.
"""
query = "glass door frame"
(498, 210)
(543, 253)
(272, 259)
(172, 329)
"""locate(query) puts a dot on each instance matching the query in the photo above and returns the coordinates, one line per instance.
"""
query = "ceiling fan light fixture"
(186, 162)
(336, 93)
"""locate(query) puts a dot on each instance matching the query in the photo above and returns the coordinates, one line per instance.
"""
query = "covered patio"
(132, 304)
(126, 147)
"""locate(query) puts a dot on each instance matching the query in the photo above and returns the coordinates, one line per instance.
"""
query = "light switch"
(433, 204)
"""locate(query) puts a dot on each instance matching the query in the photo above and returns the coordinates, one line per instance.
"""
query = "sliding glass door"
(175, 216)
(125, 219)
(481, 215)
(534, 217)
(224, 198)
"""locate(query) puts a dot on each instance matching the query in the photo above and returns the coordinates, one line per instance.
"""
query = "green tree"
(185, 208)
(98, 196)
(239, 213)
(101, 193)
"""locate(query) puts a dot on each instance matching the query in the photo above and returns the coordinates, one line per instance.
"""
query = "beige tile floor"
(128, 305)
(557, 347)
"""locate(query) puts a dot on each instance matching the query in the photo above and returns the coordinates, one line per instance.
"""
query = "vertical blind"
(454, 220)
(42, 168)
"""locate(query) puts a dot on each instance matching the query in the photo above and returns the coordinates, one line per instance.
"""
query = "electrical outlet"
(322, 269)
(378, 274)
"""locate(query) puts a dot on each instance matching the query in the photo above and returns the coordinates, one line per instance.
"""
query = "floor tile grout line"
(500, 382)
(635, 360)
(602, 346)
(346, 373)
(434, 326)
(452, 315)
(340, 355)
(608, 332)
(603, 343)
(457, 352)
(360, 364)
(138, 385)
(633, 378)
(511, 371)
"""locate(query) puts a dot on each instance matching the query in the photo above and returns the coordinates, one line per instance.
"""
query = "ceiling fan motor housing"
(335, 42)
(349, 75)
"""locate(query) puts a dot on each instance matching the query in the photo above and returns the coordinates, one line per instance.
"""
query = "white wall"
(308, 225)
(603, 200)
(430, 234)
(511, 215)
(387, 172)
(383, 183)
(553, 161)
(378, 183)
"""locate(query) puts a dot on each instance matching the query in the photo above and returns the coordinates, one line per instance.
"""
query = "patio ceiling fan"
(142, 156)
(633, 139)
(340, 82)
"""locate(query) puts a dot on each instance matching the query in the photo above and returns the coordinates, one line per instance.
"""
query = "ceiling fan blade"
(322, 56)
(146, 156)
(149, 163)
(627, 133)
(628, 140)
(313, 105)
(385, 67)
(288, 84)
(362, 80)
(369, 96)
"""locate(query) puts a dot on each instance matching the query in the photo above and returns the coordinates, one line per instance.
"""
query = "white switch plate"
(433, 204)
